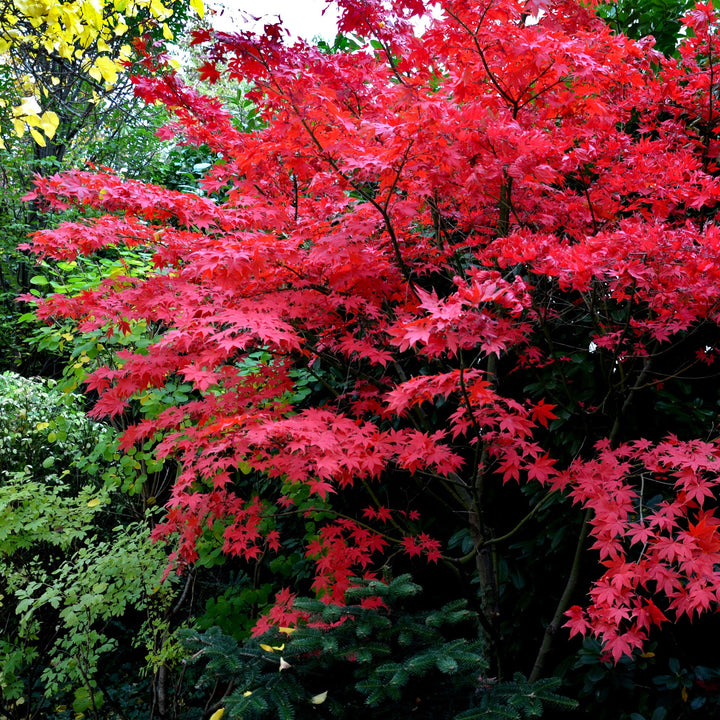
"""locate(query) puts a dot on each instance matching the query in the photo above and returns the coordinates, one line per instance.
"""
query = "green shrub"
(80, 585)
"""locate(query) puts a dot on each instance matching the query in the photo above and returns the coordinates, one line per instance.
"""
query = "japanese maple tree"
(487, 253)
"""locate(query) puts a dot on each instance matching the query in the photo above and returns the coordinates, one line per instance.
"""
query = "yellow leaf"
(319, 699)
(167, 32)
(49, 122)
(120, 28)
(247, 693)
(37, 137)
(198, 7)
(107, 68)
(158, 10)
(28, 106)
(42, 425)
(286, 630)
(217, 714)
(72, 21)
(35, 10)
(684, 694)
(93, 503)
(92, 12)
(266, 648)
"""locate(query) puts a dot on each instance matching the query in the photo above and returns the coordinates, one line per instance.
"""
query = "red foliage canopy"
(420, 223)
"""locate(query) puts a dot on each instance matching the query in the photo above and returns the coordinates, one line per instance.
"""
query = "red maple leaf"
(208, 72)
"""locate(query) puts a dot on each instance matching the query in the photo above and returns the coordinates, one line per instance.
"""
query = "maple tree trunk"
(481, 533)
(485, 559)
(505, 206)
(556, 623)
(488, 593)
(161, 691)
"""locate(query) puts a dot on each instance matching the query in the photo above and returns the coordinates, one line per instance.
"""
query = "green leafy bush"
(43, 431)
(77, 579)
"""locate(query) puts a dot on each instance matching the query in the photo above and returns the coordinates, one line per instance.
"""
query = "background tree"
(67, 100)
(46, 44)
(657, 18)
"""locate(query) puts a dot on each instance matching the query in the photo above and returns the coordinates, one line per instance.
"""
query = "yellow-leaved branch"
(84, 31)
